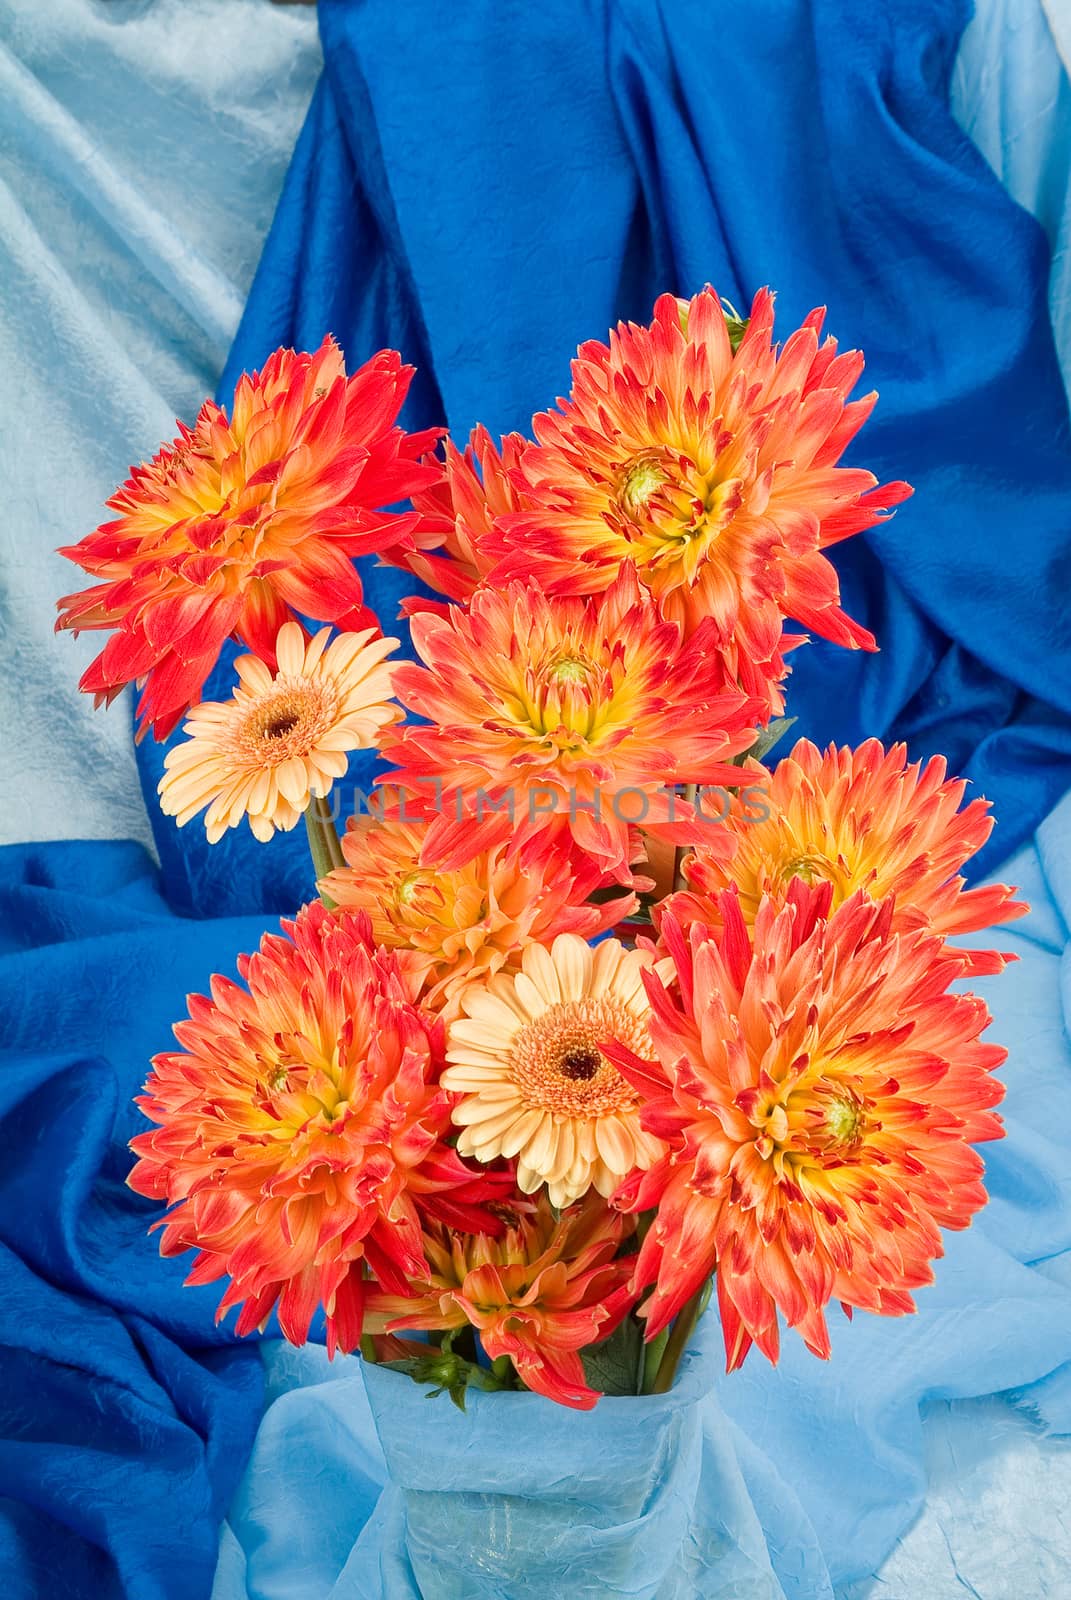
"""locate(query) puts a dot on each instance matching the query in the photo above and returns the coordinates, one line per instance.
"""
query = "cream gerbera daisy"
(527, 1058)
(280, 740)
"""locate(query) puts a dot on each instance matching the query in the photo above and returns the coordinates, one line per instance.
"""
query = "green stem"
(691, 791)
(368, 1348)
(502, 1368)
(324, 845)
(652, 1360)
(677, 1342)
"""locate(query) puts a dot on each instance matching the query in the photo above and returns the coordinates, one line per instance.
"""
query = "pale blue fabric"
(1011, 93)
(142, 147)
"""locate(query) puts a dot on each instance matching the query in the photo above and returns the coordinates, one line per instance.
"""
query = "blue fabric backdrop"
(484, 187)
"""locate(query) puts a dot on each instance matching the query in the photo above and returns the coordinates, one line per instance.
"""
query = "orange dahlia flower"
(857, 819)
(246, 521)
(464, 925)
(547, 1289)
(820, 1089)
(715, 472)
(300, 1131)
(453, 542)
(577, 715)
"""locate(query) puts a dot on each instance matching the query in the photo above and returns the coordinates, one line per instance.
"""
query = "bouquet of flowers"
(599, 1008)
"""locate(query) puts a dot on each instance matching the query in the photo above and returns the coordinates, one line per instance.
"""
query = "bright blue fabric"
(125, 1415)
(484, 186)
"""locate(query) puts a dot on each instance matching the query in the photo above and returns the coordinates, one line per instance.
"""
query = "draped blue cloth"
(125, 1415)
(483, 187)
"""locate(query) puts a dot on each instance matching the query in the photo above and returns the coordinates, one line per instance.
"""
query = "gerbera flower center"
(281, 725)
(581, 1064)
(286, 722)
(558, 1065)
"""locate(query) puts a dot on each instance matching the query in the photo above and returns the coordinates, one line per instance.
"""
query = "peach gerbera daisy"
(282, 738)
(453, 551)
(528, 1059)
(713, 470)
(246, 521)
(578, 715)
(819, 1088)
(542, 1292)
(466, 924)
(857, 819)
(300, 1136)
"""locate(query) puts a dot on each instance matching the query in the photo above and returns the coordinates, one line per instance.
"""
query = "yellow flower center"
(569, 669)
(811, 868)
(640, 479)
(287, 721)
(412, 884)
(558, 1064)
(303, 1095)
(672, 507)
(810, 1120)
(566, 700)
(843, 1119)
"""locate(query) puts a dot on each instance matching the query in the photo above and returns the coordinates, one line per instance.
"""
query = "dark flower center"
(580, 1065)
(280, 726)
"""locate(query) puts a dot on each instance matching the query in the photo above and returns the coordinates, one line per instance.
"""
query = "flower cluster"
(594, 1028)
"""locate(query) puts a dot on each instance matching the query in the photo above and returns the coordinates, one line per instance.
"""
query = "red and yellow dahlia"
(300, 1138)
(464, 925)
(856, 819)
(545, 1290)
(714, 471)
(246, 521)
(819, 1088)
(575, 715)
(454, 541)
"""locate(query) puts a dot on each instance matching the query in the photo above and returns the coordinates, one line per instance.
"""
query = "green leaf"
(770, 735)
(450, 1373)
(613, 1366)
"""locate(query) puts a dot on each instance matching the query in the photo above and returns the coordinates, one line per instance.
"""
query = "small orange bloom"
(245, 522)
(454, 546)
(541, 1293)
(856, 819)
(819, 1087)
(463, 925)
